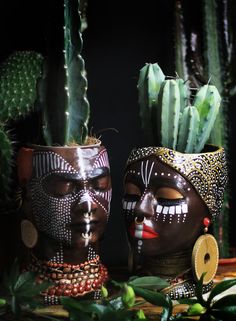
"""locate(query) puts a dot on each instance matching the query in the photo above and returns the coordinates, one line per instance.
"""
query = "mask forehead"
(77, 160)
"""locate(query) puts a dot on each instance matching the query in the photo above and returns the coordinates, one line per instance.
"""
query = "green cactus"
(210, 56)
(28, 80)
(150, 79)
(169, 108)
(19, 74)
(179, 126)
(188, 130)
(6, 152)
(184, 93)
(66, 116)
(207, 101)
(18, 78)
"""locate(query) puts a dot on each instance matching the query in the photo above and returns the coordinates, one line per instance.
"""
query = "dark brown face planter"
(65, 210)
(170, 200)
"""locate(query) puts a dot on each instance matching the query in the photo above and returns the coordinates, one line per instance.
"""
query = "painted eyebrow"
(96, 173)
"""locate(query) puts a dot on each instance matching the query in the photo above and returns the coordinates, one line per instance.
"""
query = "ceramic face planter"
(170, 200)
(65, 211)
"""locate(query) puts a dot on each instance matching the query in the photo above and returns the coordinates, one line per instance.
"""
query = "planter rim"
(46, 147)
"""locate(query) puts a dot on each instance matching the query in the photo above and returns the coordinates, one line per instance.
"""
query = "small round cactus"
(18, 79)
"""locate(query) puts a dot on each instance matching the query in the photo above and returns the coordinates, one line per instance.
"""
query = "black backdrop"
(121, 37)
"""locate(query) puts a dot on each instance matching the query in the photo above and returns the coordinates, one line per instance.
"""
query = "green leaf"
(225, 313)
(228, 300)
(87, 307)
(199, 287)
(149, 282)
(153, 297)
(28, 289)
(15, 306)
(220, 287)
(11, 278)
(24, 280)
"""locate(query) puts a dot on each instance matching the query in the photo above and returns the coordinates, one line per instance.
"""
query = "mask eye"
(102, 184)
(168, 193)
(58, 187)
(132, 189)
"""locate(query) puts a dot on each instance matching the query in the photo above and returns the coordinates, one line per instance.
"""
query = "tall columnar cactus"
(150, 79)
(56, 87)
(211, 61)
(66, 115)
(179, 127)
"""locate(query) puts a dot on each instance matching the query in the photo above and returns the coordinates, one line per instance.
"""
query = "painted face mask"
(69, 197)
(167, 198)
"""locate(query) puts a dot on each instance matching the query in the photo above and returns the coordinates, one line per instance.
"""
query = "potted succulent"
(174, 187)
(65, 177)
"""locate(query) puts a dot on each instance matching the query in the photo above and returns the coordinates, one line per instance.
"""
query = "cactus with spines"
(19, 74)
(188, 130)
(181, 122)
(57, 87)
(18, 78)
(66, 115)
(208, 106)
(169, 111)
(150, 79)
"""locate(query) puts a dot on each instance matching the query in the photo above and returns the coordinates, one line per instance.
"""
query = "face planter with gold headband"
(65, 211)
(170, 199)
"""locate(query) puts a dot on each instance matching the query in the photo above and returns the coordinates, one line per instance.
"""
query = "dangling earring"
(205, 255)
(29, 233)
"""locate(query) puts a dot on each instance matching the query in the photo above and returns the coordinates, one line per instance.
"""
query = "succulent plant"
(206, 51)
(177, 124)
(56, 87)
(66, 114)
(18, 81)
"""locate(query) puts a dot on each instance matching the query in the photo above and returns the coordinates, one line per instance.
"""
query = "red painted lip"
(146, 233)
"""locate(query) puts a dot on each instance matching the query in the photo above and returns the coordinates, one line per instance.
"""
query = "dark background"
(121, 37)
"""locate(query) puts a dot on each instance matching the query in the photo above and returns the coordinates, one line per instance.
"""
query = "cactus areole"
(173, 189)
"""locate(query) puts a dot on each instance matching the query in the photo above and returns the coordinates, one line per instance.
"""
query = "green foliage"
(66, 115)
(18, 80)
(30, 82)
(177, 125)
(19, 301)
(20, 291)
(208, 52)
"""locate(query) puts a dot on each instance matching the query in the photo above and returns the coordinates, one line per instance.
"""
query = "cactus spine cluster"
(66, 116)
(27, 80)
(19, 74)
(173, 118)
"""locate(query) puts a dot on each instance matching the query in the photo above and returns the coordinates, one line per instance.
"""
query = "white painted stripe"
(165, 209)
(129, 205)
(138, 234)
(159, 209)
(178, 209)
(185, 208)
(133, 205)
(172, 210)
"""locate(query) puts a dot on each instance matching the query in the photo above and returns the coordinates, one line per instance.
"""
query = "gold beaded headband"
(206, 171)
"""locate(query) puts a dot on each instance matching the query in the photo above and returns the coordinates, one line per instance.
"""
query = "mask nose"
(145, 207)
(85, 203)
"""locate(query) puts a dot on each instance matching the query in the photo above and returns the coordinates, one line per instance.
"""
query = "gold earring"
(29, 234)
(205, 256)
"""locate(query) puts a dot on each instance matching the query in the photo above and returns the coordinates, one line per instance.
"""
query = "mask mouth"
(142, 230)
(83, 226)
